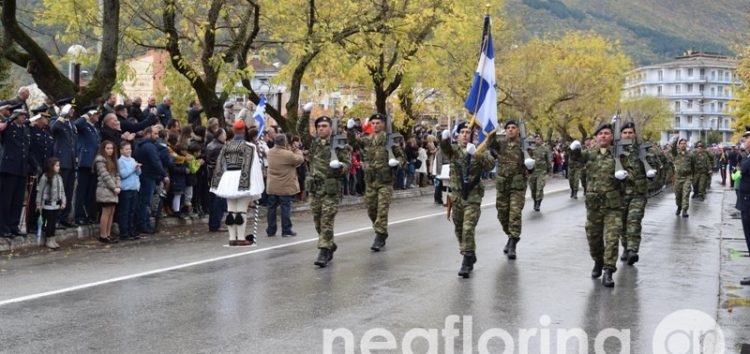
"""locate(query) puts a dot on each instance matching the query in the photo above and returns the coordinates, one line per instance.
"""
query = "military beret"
(323, 119)
(628, 125)
(39, 109)
(461, 125)
(699, 144)
(69, 100)
(602, 127)
(510, 122)
(378, 116)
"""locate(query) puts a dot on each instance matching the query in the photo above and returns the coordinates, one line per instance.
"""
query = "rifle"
(337, 140)
(619, 143)
(524, 141)
(393, 138)
(642, 153)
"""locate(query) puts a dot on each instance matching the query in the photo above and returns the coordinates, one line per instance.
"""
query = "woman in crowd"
(107, 188)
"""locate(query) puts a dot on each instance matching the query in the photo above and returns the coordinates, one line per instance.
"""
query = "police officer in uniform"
(66, 135)
(323, 180)
(42, 148)
(510, 183)
(378, 169)
(542, 167)
(87, 147)
(466, 191)
(15, 167)
(684, 167)
(603, 202)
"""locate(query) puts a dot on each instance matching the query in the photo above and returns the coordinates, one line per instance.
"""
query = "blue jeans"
(217, 206)
(126, 209)
(148, 185)
(286, 213)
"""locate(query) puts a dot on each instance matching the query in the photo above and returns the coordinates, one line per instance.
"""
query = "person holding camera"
(283, 185)
(50, 199)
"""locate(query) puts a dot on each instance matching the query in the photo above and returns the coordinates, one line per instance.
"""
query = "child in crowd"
(50, 199)
(107, 188)
(131, 184)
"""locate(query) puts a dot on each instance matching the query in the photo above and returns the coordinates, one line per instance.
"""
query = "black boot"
(632, 257)
(507, 245)
(678, 211)
(685, 214)
(330, 252)
(597, 270)
(323, 257)
(467, 266)
(512, 248)
(572, 192)
(575, 194)
(624, 256)
(607, 279)
(379, 242)
(537, 204)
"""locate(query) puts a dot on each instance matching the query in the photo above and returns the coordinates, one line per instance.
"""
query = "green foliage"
(713, 137)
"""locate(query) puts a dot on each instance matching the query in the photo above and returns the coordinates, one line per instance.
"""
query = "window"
(690, 88)
(690, 104)
(727, 76)
(658, 90)
(721, 106)
(677, 106)
(721, 74)
(677, 88)
(713, 91)
(690, 120)
(661, 75)
(713, 75)
(713, 106)
(701, 88)
(690, 72)
(703, 73)
(676, 122)
(677, 74)
(721, 91)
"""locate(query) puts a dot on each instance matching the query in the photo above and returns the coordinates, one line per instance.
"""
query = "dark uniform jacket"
(16, 159)
(65, 134)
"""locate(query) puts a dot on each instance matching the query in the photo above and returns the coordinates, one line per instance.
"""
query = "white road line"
(210, 260)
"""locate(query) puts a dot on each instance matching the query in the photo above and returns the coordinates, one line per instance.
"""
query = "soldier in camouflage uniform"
(543, 167)
(465, 202)
(379, 174)
(574, 174)
(684, 165)
(603, 203)
(510, 183)
(636, 193)
(702, 171)
(322, 182)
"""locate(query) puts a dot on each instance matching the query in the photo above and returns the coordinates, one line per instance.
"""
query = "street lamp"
(75, 52)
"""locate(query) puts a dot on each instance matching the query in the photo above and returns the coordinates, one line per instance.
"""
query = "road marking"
(211, 260)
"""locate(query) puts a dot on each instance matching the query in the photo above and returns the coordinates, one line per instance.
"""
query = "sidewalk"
(91, 231)
(734, 300)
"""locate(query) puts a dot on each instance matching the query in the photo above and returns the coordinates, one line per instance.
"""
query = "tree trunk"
(292, 106)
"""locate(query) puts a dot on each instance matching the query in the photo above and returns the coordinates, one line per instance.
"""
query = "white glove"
(446, 134)
(393, 162)
(530, 163)
(575, 145)
(651, 173)
(621, 174)
(335, 164)
(471, 149)
(308, 107)
(350, 123)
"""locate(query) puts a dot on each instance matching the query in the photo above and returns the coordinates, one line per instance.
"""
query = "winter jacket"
(147, 153)
(105, 182)
(50, 195)
(129, 174)
(88, 142)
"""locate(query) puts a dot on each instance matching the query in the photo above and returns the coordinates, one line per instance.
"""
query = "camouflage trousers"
(603, 230)
(324, 209)
(700, 183)
(634, 207)
(536, 185)
(378, 200)
(465, 218)
(509, 204)
(574, 178)
(682, 187)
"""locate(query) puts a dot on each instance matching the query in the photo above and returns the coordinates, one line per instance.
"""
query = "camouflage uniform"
(575, 169)
(466, 211)
(603, 205)
(510, 184)
(543, 166)
(635, 196)
(379, 176)
(702, 172)
(684, 165)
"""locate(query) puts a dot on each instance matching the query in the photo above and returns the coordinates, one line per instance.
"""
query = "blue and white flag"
(482, 100)
(259, 116)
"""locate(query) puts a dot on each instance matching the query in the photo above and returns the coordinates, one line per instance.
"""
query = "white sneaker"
(51, 244)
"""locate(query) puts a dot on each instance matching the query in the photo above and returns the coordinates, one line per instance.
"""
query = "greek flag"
(482, 100)
(260, 111)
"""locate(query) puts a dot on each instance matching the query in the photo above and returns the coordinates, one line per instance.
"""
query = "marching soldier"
(15, 167)
(322, 183)
(466, 191)
(603, 203)
(684, 166)
(543, 167)
(702, 171)
(574, 174)
(635, 196)
(510, 183)
(378, 167)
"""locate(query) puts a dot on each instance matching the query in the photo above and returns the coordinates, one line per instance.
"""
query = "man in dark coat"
(152, 172)
(194, 114)
(15, 167)
(128, 126)
(66, 135)
(164, 111)
(87, 147)
(135, 110)
(42, 148)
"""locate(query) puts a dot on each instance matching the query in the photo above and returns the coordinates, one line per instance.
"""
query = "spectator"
(412, 152)
(135, 111)
(743, 200)
(197, 168)
(20, 99)
(212, 126)
(174, 127)
(421, 165)
(152, 172)
(178, 172)
(109, 105)
(107, 188)
(194, 114)
(66, 136)
(130, 170)
(111, 131)
(217, 205)
(89, 139)
(50, 198)
(246, 114)
(127, 126)
(229, 113)
(283, 184)
(164, 111)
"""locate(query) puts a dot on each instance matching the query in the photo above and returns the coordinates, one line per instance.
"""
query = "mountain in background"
(650, 31)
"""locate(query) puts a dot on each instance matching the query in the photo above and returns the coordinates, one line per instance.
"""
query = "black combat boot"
(572, 193)
(330, 252)
(607, 279)
(467, 266)
(379, 242)
(624, 256)
(685, 214)
(512, 248)
(632, 257)
(537, 204)
(575, 194)
(597, 270)
(507, 245)
(324, 256)
(678, 211)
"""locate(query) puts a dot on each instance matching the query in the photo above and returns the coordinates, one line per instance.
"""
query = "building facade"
(698, 87)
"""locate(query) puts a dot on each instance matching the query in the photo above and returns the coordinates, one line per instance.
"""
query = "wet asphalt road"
(271, 299)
